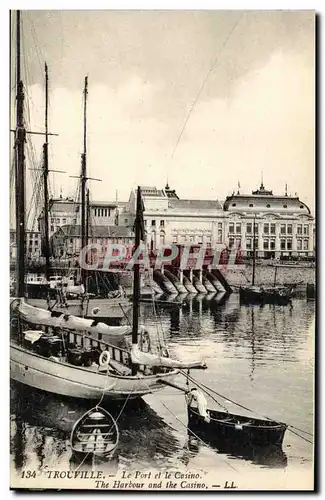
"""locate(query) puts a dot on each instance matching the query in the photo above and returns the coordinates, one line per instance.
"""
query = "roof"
(69, 205)
(70, 230)
(174, 203)
(151, 191)
(265, 202)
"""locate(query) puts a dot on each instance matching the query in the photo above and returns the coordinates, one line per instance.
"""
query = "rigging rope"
(198, 438)
(290, 427)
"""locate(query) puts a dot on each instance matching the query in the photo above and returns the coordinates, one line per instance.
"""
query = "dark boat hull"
(235, 430)
(252, 296)
(311, 291)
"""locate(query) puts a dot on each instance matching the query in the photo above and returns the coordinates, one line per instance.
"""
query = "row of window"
(104, 241)
(192, 239)
(35, 242)
(269, 244)
(153, 223)
(268, 205)
(268, 228)
(102, 212)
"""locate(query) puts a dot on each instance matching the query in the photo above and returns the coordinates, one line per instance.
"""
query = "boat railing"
(116, 353)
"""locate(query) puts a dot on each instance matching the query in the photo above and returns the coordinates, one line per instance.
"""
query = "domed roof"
(264, 200)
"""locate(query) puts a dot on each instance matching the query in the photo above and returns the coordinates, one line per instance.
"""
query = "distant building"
(169, 219)
(66, 241)
(65, 211)
(284, 226)
(33, 245)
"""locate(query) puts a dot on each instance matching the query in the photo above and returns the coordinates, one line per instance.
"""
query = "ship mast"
(136, 275)
(20, 134)
(45, 183)
(84, 184)
(254, 251)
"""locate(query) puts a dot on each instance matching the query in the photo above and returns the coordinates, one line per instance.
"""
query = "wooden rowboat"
(95, 434)
(238, 430)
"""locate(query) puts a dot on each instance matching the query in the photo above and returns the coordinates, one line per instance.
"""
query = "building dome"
(263, 200)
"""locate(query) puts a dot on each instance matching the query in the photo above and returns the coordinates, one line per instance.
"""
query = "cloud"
(266, 124)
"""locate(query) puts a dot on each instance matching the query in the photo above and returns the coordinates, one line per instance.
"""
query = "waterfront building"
(65, 211)
(66, 241)
(33, 245)
(171, 220)
(284, 226)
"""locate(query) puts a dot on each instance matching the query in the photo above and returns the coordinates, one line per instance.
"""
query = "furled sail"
(75, 289)
(56, 319)
(143, 358)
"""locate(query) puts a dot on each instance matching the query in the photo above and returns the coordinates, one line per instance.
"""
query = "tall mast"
(45, 182)
(20, 171)
(254, 251)
(136, 274)
(87, 232)
(84, 180)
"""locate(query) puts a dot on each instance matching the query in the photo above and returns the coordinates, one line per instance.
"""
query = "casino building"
(282, 225)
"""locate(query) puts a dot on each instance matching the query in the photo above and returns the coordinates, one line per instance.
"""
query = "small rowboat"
(237, 430)
(95, 434)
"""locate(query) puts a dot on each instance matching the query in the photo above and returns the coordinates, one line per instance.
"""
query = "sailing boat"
(69, 362)
(259, 294)
(96, 308)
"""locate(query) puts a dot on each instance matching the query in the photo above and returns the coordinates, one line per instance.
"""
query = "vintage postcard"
(162, 250)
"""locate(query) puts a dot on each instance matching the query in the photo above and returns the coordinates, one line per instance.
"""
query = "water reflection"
(247, 349)
(270, 456)
(39, 418)
(255, 331)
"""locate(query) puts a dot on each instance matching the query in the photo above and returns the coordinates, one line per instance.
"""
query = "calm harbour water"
(261, 357)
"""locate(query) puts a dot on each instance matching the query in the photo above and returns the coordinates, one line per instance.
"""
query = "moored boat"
(95, 434)
(265, 295)
(92, 308)
(225, 427)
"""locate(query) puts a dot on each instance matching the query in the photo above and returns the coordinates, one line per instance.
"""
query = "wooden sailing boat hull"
(94, 309)
(95, 434)
(254, 295)
(238, 430)
(79, 382)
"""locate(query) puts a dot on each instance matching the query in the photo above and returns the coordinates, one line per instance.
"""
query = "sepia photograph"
(162, 250)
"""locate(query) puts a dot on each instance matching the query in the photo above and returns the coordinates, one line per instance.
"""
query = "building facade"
(66, 241)
(65, 211)
(281, 225)
(170, 220)
(33, 245)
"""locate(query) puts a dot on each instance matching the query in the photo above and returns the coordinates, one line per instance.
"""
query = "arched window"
(234, 204)
(162, 238)
(251, 205)
(268, 205)
(285, 206)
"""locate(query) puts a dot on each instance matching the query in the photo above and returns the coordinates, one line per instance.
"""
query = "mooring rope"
(197, 437)
(207, 389)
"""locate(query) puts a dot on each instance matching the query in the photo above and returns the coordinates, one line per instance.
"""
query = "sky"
(205, 99)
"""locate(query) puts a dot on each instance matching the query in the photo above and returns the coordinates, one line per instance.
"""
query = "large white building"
(284, 226)
(169, 219)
